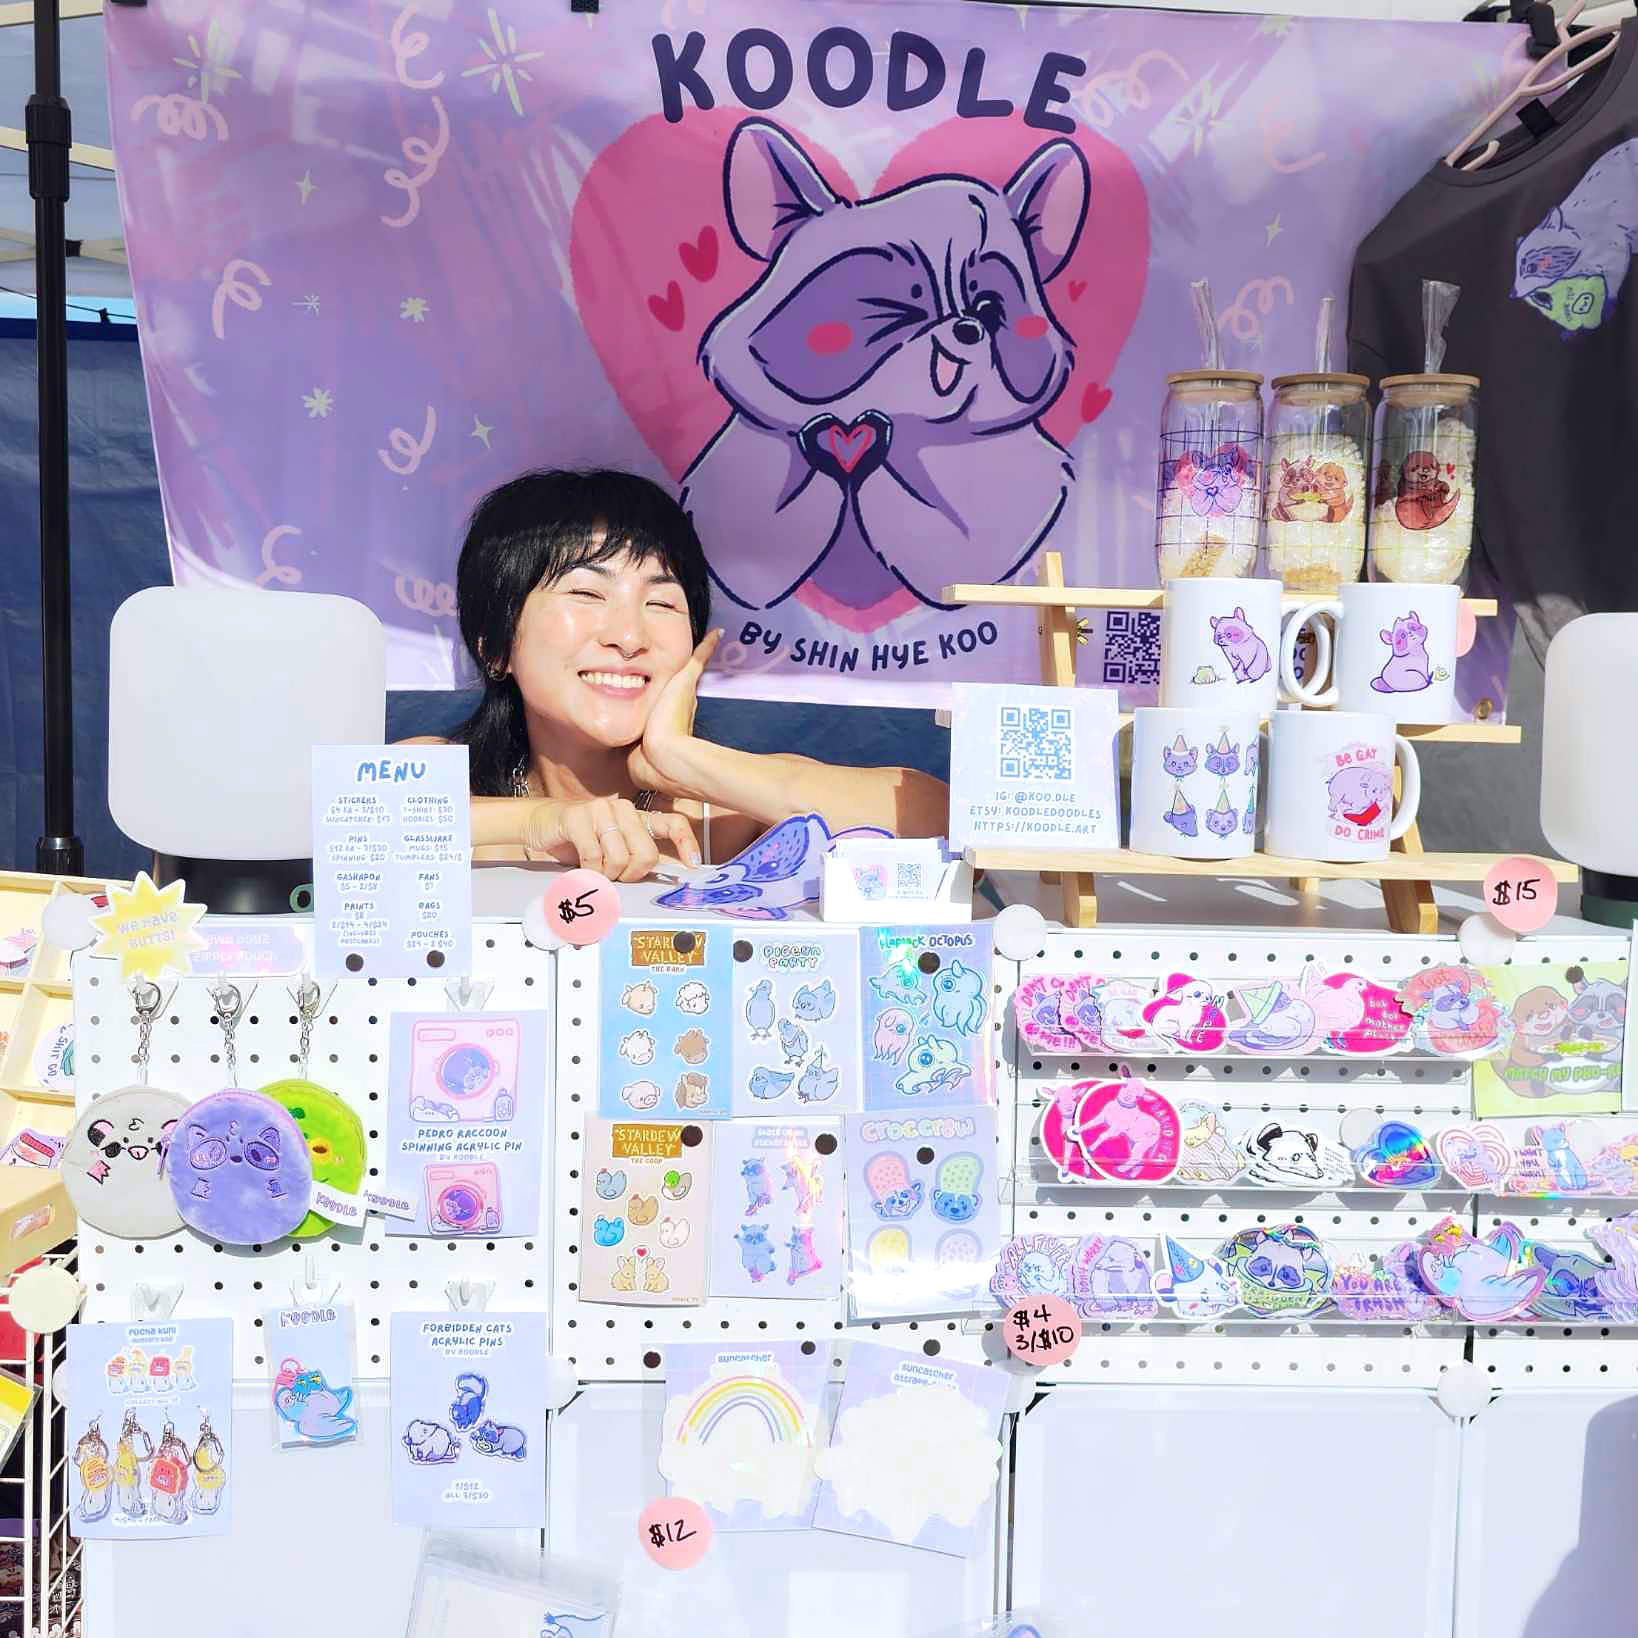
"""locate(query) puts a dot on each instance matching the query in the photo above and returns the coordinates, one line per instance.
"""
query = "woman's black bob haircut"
(530, 532)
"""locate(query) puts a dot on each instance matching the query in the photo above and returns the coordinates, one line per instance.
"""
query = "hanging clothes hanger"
(1535, 84)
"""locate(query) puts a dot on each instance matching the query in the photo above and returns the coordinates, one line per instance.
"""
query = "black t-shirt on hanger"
(1541, 242)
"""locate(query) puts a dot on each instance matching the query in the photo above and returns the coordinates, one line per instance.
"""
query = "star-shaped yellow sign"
(149, 929)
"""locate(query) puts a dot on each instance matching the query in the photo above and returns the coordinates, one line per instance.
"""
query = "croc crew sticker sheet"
(645, 1212)
(796, 1023)
(916, 1450)
(740, 1432)
(468, 1423)
(925, 995)
(667, 1036)
(465, 1122)
(922, 1219)
(151, 1427)
(777, 1227)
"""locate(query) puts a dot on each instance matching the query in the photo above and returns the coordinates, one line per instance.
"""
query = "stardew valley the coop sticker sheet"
(150, 1427)
(645, 1212)
(666, 1045)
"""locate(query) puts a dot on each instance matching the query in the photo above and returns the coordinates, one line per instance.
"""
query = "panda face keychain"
(113, 1163)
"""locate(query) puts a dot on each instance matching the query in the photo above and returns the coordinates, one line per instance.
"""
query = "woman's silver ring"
(606, 829)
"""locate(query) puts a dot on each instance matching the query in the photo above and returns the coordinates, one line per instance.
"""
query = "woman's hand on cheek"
(607, 834)
(656, 763)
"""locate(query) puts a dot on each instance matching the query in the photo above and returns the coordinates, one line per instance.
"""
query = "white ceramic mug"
(1330, 785)
(1194, 782)
(1395, 651)
(1219, 644)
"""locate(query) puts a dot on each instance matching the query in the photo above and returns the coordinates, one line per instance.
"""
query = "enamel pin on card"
(468, 1422)
(645, 1212)
(923, 1220)
(741, 1428)
(795, 1023)
(465, 1122)
(915, 1452)
(152, 1429)
(667, 1029)
(926, 1000)
(777, 1229)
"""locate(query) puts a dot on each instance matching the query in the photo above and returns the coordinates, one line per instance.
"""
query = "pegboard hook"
(468, 995)
(154, 1302)
(469, 1296)
(307, 1292)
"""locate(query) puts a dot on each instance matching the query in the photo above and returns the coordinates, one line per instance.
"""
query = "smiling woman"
(584, 599)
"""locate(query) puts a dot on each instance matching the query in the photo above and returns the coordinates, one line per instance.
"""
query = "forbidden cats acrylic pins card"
(740, 1431)
(777, 1228)
(151, 1430)
(926, 1023)
(468, 1423)
(667, 1024)
(466, 1122)
(796, 1023)
(310, 1353)
(922, 1216)
(645, 1212)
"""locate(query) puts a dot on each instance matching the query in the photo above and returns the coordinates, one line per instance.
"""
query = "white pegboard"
(379, 1272)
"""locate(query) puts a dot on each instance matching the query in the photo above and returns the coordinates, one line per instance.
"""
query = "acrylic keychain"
(96, 1477)
(209, 1469)
(168, 1476)
(329, 1125)
(113, 1163)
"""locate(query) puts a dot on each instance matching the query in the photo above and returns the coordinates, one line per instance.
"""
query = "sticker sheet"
(1566, 1026)
(152, 1430)
(925, 994)
(796, 1022)
(468, 1423)
(779, 1194)
(922, 1216)
(466, 1119)
(645, 1212)
(667, 1038)
(916, 1450)
(741, 1428)
(310, 1353)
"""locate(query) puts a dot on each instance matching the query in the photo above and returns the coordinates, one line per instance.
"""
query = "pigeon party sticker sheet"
(926, 1000)
(740, 1431)
(923, 1224)
(777, 1227)
(468, 1422)
(151, 1427)
(466, 1121)
(916, 1450)
(645, 1212)
(667, 1038)
(796, 1022)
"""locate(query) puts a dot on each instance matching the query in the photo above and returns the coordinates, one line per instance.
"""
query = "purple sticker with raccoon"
(239, 1170)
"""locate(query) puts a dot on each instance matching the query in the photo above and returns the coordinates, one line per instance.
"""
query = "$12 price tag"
(1042, 1331)
(675, 1532)
(1521, 894)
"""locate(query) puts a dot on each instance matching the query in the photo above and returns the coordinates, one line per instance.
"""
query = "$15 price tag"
(1042, 1331)
(675, 1532)
(1521, 894)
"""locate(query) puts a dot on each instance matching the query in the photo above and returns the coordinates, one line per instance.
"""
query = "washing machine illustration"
(463, 1197)
(464, 1069)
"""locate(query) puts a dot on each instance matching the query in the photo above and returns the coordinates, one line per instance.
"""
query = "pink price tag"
(1042, 1330)
(1521, 894)
(675, 1532)
(1467, 628)
(582, 906)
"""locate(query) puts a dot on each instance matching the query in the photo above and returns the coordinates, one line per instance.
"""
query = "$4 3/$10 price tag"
(675, 1532)
(1042, 1331)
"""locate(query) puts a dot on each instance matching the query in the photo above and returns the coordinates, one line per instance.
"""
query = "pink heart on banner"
(656, 193)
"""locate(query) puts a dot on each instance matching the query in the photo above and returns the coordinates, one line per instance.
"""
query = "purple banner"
(886, 292)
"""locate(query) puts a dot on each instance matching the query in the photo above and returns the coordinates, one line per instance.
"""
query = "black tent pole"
(47, 127)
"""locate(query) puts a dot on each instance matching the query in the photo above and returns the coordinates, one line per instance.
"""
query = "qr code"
(1036, 743)
(907, 880)
(1131, 648)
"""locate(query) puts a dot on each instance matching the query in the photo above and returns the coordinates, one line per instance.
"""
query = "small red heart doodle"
(1077, 289)
(642, 1251)
(700, 258)
(850, 444)
(668, 309)
(1095, 400)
